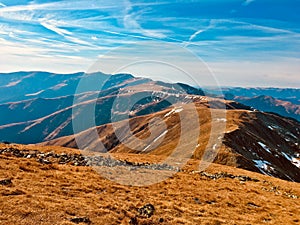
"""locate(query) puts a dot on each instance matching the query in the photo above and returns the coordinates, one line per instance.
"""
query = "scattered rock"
(266, 220)
(279, 191)
(70, 213)
(220, 175)
(252, 205)
(197, 200)
(211, 202)
(6, 181)
(44, 161)
(133, 221)
(78, 220)
(290, 195)
(14, 192)
(161, 220)
(82, 160)
(146, 211)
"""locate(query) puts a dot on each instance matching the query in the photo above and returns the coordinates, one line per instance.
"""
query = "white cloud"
(66, 5)
(50, 26)
(94, 38)
(53, 26)
(130, 21)
(76, 5)
(24, 16)
(192, 37)
(2, 5)
(79, 41)
(247, 2)
(31, 13)
(195, 34)
(268, 29)
(90, 34)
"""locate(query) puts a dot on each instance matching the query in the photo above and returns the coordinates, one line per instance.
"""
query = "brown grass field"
(60, 194)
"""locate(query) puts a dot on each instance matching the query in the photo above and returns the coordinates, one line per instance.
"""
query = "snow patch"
(58, 86)
(215, 146)
(156, 139)
(175, 110)
(148, 146)
(262, 165)
(287, 139)
(286, 156)
(221, 120)
(34, 94)
(274, 127)
(264, 147)
(161, 135)
(292, 135)
(293, 160)
(14, 83)
(296, 162)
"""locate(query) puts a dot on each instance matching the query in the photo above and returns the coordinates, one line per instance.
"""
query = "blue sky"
(244, 42)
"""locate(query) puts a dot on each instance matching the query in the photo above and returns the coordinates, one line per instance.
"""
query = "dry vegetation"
(56, 194)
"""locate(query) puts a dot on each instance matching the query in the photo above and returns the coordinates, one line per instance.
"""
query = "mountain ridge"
(246, 142)
(146, 99)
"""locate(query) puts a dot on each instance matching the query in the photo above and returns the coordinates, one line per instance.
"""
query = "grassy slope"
(53, 194)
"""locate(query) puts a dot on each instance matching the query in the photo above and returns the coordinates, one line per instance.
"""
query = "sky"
(241, 42)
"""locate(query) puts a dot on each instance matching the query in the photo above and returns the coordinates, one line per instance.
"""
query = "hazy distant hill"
(40, 119)
(270, 104)
(27, 110)
(282, 101)
(286, 94)
(20, 86)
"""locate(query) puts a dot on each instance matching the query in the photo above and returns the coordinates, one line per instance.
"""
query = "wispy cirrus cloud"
(247, 2)
(59, 5)
(131, 25)
(130, 21)
(88, 28)
(52, 25)
(198, 32)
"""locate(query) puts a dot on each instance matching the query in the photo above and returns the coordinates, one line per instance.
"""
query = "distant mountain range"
(270, 104)
(39, 107)
(39, 119)
(282, 101)
(285, 94)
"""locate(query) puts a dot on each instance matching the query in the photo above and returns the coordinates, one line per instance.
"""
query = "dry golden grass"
(139, 127)
(53, 194)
